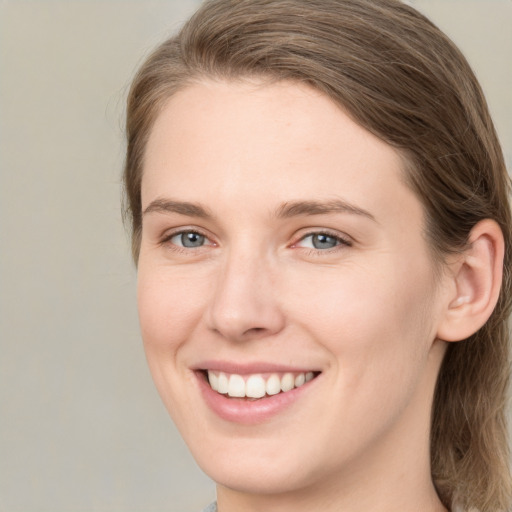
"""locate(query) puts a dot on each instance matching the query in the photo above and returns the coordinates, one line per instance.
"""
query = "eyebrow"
(297, 208)
(180, 207)
(286, 210)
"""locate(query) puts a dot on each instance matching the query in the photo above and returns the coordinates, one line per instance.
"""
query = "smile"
(256, 385)
(253, 393)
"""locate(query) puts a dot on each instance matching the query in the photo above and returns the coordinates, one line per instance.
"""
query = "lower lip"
(246, 411)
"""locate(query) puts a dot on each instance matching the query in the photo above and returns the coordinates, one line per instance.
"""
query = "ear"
(475, 283)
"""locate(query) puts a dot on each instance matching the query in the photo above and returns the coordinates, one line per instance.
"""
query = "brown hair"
(402, 79)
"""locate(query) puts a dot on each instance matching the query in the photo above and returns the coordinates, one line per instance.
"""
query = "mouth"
(258, 385)
(253, 394)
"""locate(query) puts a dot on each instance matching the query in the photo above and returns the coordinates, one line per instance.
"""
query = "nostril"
(255, 331)
(242, 320)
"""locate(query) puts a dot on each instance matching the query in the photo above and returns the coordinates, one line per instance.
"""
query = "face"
(283, 262)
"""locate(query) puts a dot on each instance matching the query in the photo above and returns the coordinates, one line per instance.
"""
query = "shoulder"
(212, 507)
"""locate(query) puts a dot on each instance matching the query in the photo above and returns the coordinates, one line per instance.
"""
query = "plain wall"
(81, 426)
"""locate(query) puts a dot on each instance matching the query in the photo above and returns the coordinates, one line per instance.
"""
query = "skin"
(365, 313)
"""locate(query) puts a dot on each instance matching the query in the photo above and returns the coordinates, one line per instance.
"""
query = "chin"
(260, 477)
(262, 465)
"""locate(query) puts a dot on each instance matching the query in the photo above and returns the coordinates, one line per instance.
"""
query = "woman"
(320, 219)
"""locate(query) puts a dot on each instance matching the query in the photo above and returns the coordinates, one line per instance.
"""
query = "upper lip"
(251, 368)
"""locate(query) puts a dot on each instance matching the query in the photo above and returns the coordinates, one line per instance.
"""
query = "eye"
(189, 239)
(321, 241)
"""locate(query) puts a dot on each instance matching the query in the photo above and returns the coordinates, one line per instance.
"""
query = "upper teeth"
(255, 386)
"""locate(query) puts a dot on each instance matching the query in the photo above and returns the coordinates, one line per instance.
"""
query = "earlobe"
(477, 276)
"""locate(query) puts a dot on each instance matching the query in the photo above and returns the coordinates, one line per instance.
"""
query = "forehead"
(279, 141)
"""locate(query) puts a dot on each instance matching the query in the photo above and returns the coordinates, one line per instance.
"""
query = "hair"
(398, 76)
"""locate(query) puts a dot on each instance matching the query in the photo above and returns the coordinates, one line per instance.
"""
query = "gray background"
(81, 427)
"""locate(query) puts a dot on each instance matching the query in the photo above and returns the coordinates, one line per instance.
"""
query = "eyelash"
(342, 242)
(167, 240)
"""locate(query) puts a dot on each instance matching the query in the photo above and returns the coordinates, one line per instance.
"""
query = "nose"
(244, 305)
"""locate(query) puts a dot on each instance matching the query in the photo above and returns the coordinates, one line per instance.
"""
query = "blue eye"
(188, 239)
(321, 241)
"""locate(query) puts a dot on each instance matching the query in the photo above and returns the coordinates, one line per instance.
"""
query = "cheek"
(169, 307)
(375, 321)
(356, 299)
(169, 311)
